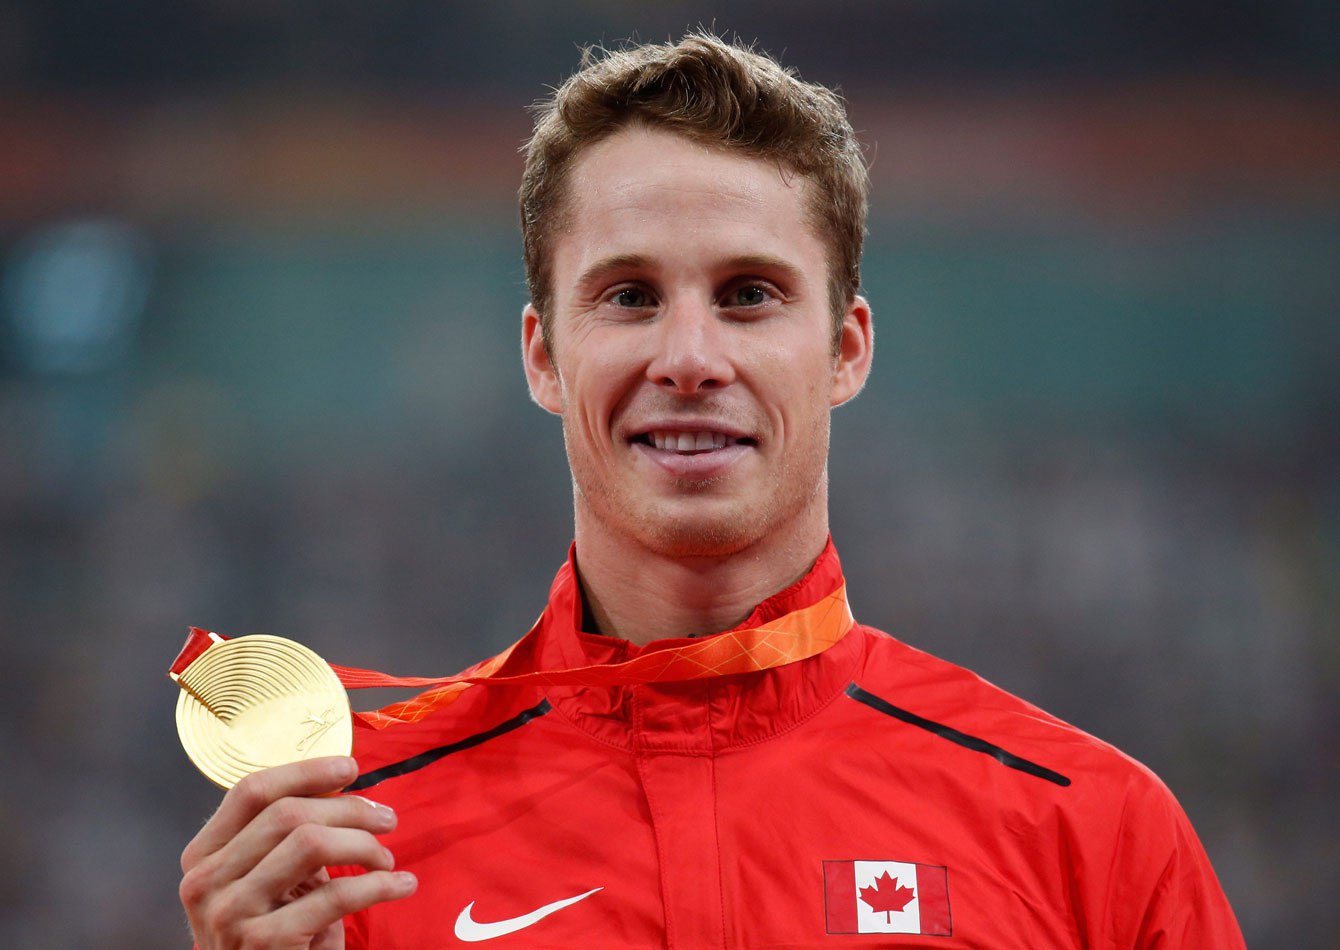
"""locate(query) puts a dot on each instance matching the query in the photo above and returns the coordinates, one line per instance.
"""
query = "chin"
(700, 530)
(681, 540)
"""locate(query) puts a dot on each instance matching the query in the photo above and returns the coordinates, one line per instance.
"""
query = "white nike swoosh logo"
(472, 931)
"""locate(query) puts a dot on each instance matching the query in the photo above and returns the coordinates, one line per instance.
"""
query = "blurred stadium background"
(259, 295)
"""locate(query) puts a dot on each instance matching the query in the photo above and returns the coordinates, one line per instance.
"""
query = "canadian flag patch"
(886, 897)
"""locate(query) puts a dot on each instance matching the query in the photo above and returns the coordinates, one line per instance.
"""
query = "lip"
(698, 465)
(687, 424)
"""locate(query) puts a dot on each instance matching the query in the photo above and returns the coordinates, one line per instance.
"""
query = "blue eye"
(749, 296)
(631, 297)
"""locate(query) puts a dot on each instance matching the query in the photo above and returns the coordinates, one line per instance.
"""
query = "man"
(628, 775)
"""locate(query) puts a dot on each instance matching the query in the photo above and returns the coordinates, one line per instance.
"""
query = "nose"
(691, 350)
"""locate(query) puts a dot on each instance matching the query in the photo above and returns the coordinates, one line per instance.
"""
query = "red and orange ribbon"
(796, 636)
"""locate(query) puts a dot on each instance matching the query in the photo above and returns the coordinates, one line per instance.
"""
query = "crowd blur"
(260, 290)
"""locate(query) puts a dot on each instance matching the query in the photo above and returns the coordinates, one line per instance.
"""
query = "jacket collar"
(708, 715)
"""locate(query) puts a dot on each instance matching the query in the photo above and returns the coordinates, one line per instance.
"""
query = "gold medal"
(257, 701)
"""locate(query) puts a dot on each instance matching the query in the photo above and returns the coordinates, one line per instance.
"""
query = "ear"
(856, 347)
(546, 388)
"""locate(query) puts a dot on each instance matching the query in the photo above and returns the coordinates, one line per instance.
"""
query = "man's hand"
(255, 875)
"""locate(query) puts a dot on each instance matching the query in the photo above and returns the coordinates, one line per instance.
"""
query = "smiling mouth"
(689, 443)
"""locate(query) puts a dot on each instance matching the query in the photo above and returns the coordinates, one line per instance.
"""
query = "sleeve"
(1187, 907)
(1163, 893)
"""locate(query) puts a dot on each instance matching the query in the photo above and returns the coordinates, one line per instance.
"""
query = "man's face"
(692, 358)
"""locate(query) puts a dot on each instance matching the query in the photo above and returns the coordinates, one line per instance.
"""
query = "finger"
(332, 937)
(249, 797)
(280, 819)
(313, 912)
(302, 854)
(307, 886)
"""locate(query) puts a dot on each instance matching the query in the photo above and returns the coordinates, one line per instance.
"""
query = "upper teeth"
(688, 441)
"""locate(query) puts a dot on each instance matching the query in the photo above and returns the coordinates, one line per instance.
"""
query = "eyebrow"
(742, 262)
(764, 262)
(614, 262)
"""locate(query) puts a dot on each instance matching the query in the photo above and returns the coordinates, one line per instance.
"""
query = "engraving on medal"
(319, 726)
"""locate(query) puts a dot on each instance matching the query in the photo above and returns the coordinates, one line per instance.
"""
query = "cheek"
(589, 401)
(611, 371)
(802, 389)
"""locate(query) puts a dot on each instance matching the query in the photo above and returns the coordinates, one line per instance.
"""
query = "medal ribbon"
(796, 636)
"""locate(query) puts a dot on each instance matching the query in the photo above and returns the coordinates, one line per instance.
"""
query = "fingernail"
(346, 768)
(406, 881)
(390, 858)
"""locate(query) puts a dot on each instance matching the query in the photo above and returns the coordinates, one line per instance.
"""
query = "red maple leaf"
(887, 896)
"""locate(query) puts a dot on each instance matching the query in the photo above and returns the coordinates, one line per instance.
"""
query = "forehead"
(650, 192)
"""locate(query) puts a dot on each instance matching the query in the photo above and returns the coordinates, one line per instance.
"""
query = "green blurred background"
(260, 290)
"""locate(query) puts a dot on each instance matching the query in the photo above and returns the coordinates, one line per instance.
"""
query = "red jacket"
(870, 786)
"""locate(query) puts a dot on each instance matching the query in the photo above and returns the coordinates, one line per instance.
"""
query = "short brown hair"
(713, 92)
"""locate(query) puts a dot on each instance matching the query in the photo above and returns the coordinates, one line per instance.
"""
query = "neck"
(637, 593)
